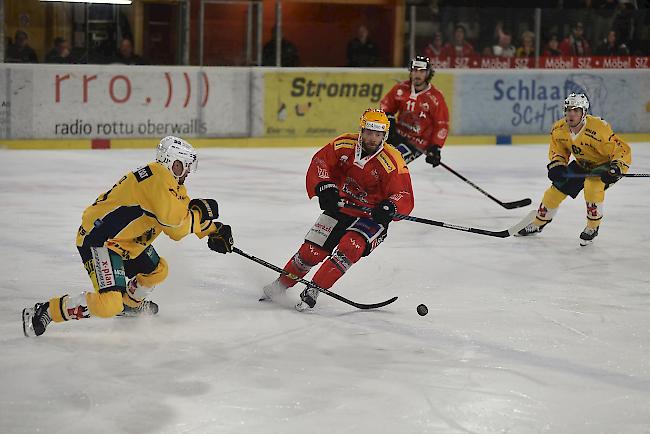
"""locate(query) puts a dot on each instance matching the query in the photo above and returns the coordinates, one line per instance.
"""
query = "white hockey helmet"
(577, 100)
(173, 148)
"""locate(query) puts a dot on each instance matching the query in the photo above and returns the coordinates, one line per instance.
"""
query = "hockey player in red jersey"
(421, 116)
(116, 235)
(360, 169)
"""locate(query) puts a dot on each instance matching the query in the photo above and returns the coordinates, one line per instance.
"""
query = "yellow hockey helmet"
(375, 120)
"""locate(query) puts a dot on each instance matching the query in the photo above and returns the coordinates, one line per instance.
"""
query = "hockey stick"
(624, 175)
(500, 234)
(506, 205)
(312, 284)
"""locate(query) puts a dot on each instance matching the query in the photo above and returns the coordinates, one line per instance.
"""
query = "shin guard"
(299, 265)
(348, 252)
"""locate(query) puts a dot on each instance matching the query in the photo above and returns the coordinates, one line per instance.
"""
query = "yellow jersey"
(138, 208)
(596, 144)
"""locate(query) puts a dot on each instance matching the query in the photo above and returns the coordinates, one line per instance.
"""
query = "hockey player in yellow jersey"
(116, 233)
(596, 150)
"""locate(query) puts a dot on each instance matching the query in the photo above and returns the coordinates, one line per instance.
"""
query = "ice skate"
(273, 290)
(36, 319)
(587, 236)
(146, 308)
(308, 299)
(531, 229)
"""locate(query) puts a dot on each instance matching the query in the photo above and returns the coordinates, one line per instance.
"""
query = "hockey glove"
(328, 196)
(221, 240)
(384, 212)
(433, 155)
(557, 171)
(208, 208)
(612, 174)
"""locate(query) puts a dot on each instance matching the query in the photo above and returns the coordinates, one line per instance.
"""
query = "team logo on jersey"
(400, 92)
(143, 173)
(353, 189)
(425, 106)
(442, 133)
(323, 173)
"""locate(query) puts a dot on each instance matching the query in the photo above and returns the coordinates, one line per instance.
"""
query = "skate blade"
(585, 243)
(301, 306)
(28, 329)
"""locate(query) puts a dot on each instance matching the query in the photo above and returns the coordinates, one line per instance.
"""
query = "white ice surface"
(523, 335)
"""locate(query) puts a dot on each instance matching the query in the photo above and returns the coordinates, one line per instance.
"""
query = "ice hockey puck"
(422, 310)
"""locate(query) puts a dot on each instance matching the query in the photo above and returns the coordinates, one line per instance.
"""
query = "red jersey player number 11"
(419, 114)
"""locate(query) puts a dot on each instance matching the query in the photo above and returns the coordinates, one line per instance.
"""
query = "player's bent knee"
(594, 190)
(106, 304)
(311, 254)
(553, 198)
(157, 276)
(352, 245)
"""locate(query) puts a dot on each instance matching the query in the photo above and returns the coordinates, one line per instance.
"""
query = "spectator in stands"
(60, 53)
(602, 17)
(459, 47)
(527, 48)
(504, 47)
(575, 44)
(126, 55)
(611, 47)
(362, 52)
(288, 52)
(552, 47)
(20, 51)
(434, 48)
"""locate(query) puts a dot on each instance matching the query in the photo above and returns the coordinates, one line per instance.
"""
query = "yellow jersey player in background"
(596, 150)
(115, 236)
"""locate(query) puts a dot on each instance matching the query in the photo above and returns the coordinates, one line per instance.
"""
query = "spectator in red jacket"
(434, 48)
(459, 47)
(575, 44)
(611, 47)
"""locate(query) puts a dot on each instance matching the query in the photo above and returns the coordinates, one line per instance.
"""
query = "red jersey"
(422, 117)
(363, 181)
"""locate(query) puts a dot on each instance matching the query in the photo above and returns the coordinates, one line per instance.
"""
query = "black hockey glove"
(208, 208)
(328, 196)
(384, 212)
(433, 155)
(612, 174)
(221, 240)
(557, 171)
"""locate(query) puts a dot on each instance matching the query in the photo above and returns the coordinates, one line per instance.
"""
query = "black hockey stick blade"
(312, 284)
(506, 205)
(516, 204)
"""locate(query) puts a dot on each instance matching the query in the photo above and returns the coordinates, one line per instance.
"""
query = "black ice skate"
(36, 319)
(531, 229)
(146, 308)
(308, 297)
(587, 236)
